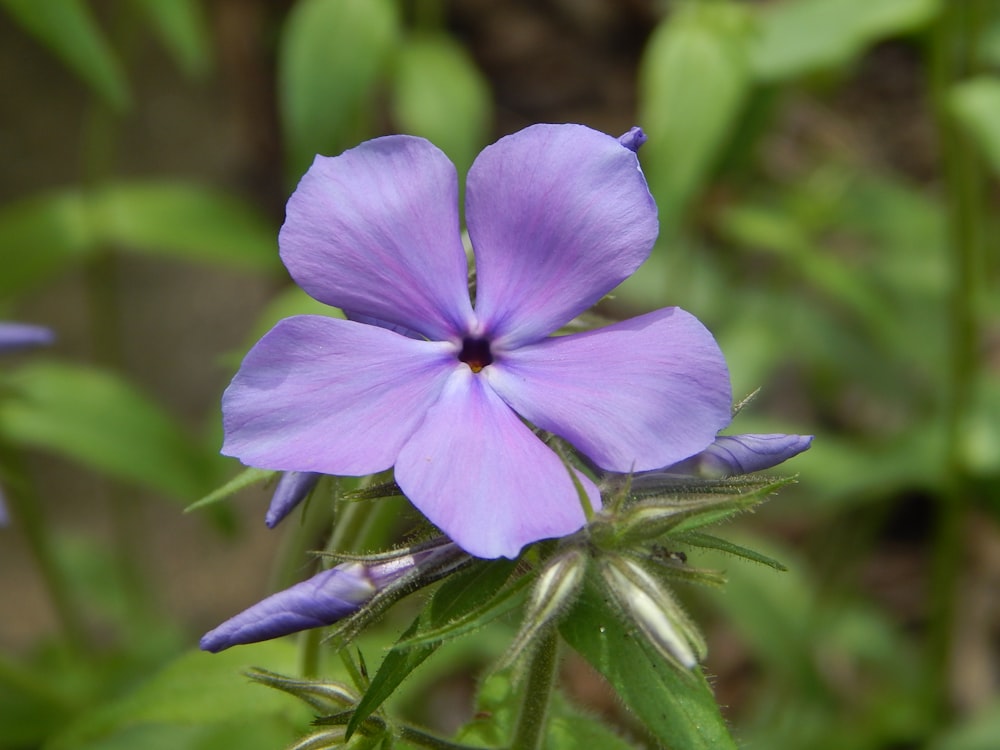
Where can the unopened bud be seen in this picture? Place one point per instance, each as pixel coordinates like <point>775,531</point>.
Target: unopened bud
<point>653,609</point>
<point>553,593</point>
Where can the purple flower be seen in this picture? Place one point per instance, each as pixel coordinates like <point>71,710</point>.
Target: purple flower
<point>421,380</point>
<point>331,595</point>
<point>731,455</point>
<point>293,487</point>
<point>14,336</point>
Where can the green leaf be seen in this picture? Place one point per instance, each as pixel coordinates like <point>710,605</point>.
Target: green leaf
<point>45,234</point>
<point>438,93</point>
<point>99,420</point>
<point>795,37</point>
<point>700,48</point>
<point>708,541</point>
<point>242,480</point>
<point>676,706</point>
<point>330,56</point>
<point>69,30</point>
<point>186,221</point>
<point>976,105</point>
<point>196,690</point>
<point>182,28</point>
<point>459,595</point>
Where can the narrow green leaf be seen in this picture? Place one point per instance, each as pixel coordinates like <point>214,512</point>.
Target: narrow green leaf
<point>699,48</point>
<point>99,420</point>
<point>41,236</point>
<point>187,221</point>
<point>801,36</point>
<point>69,30</point>
<point>331,54</point>
<point>708,541</point>
<point>976,105</point>
<point>182,27</point>
<point>438,93</point>
<point>508,598</point>
<point>244,479</point>
<point>462,593</point>
<point>46,234</point>
<point>676,706</point>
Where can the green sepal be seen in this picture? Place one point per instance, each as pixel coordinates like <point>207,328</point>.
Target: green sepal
<point>322,696</point>
<point>245,478</point>
<point>671,703</point>
<point>377,491</point>
<point>461,594</point>
<point>708,541</point>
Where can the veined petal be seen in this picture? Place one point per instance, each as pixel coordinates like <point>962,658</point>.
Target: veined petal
<point>481,476</point>
<point>375,231</point>
<point>332,396</point>
<point>633,396</point>
<point>558,215</point>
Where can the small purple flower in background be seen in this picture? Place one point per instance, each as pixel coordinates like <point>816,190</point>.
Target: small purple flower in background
<point>421,380</point>
<point>332,595</point>
<point>14,336</point>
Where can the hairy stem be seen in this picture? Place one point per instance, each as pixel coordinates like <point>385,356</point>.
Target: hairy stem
<point>529,734</point>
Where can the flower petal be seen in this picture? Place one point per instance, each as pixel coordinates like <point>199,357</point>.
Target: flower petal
<point>375,231</point>
<point>332,396</point>
<point>480,475</point>
<point>558,215</point>
<point>731,455</point>
<point>633,396</point>
<point>321,600</point>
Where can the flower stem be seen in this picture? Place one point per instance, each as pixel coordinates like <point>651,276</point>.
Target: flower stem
<point>529,734</point>
<point>27,513</point>
<point>951,59</point>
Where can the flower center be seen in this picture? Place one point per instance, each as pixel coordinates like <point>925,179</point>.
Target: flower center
<point>475,353</point>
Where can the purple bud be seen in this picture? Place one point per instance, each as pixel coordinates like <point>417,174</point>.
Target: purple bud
<point>731,455</point>
<point>292,489</point>
<point>4,518</point>
<point>633,139</point>
<point>327,597</point>
<point>14,336</point>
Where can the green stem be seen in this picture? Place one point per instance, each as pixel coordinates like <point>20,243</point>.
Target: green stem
<point>529,734</point>
<point>951,60</point>
<point>26,510</point>
<point>423,739</point>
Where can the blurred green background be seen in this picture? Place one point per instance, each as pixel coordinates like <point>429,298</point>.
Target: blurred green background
<point>826,174</point>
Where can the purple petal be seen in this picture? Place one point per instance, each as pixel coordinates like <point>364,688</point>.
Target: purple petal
<point>375,231</point>
<point>558,215</point>
<point>332,396</point>
<point>731,455</point>
<point>633,396</point>
<point>323,599</point>
<point>292,489</point>
<point>14,336</point>
<point>480,475</point>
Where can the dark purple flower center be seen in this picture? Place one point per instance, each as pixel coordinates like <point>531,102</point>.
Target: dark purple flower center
<point>476,353</point>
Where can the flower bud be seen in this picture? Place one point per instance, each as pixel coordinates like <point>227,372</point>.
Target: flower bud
<point>553,593</point>
<point>653,609</point>
<point>292,489</point>
<point>331,595</point>
<point>731,455</point>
